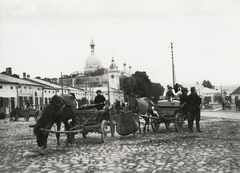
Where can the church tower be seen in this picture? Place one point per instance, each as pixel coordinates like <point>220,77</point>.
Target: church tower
<point>93,62</point>
<point>114,76</point>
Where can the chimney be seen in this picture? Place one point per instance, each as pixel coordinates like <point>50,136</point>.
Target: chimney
<point>28,76</point>
<point>9,71</point>
<point>24,75</point>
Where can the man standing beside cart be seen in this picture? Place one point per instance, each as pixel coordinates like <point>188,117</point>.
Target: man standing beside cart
<point>183,102</point>
<point>194,102</point>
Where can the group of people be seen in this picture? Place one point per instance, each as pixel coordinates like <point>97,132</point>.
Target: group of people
<point>190,105</point>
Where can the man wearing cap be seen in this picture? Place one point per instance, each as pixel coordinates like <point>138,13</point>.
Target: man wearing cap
<point>183,102</point>
<point>194,102</point>
<point>99,99</point>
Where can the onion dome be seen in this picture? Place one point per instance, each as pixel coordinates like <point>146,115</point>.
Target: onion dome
<point>93,62</point>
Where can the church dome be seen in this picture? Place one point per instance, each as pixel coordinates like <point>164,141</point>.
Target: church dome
<point>93,62</point>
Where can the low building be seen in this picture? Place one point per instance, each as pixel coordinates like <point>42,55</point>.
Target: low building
<point>235,95</point>
<point>16,92</point>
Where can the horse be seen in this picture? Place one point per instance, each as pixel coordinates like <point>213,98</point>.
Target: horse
<point>60,109</point>
<point>142,106</point>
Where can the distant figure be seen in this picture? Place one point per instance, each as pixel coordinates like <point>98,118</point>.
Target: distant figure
<point>27,104</point>
<point>194,102</point>
<point>236,103</point>
<point>2,114</point>
<point>73,95</point>
<point>99,99</point>
<point>169,95</point>
<point>117,106</point>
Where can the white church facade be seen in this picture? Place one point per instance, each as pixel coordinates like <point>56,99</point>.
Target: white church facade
<point>95,77</point>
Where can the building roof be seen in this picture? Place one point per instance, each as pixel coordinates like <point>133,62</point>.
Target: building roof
<point>9,79</point>
<point>52,85</point>
<point>236,91</point>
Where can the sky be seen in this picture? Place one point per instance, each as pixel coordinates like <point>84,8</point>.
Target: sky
<point>49,37</point>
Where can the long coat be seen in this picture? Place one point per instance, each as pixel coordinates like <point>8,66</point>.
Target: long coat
<point>183,99</point>
<point>99,99</point>
<point>194,101</point>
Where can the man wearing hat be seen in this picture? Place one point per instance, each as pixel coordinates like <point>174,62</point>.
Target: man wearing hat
<point>99,99</point>
<point>183,102</point>
<point>194,102</point>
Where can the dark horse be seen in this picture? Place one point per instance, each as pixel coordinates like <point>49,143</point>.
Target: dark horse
<point>141,106</point>
<point>60,109</point>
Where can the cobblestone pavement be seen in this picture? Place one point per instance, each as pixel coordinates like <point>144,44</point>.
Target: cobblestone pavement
<point>217,149</point>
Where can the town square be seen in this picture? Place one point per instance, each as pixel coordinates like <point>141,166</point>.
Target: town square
<point>108,86</point>
<point>214,150</point>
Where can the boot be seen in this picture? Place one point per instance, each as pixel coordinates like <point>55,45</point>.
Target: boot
<point>190,130</point>
<point>198,130</point>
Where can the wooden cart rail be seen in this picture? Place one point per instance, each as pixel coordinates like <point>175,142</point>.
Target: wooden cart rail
<point>70,131</point>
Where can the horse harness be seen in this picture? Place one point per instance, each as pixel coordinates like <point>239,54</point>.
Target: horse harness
<point>58,113</point>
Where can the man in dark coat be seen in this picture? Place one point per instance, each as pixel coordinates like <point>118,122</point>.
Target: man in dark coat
<point>99,99</point>
<point>183,102</point>
<point>194,102</point>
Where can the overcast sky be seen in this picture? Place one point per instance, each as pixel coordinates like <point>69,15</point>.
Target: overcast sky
<point>47,37</point>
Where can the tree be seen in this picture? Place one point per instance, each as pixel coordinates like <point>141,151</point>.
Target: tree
<point>157,90</point>
<point>143,84</point>
<point>139,83</point>
<point>207,84</point>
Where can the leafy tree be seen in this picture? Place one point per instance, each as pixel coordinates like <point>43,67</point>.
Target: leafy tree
<point>143,84</point>
<point>157,90</point>
<point>207,84</point>
<point>125,85</point>
<point>139,83</point>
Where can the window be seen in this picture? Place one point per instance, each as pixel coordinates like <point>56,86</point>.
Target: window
<point>24,87</point>
<point>30,88</point>
<point>11,87</point>
<point>0,86</point>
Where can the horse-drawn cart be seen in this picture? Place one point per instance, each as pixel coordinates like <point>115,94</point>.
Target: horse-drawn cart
<point>168,113</point>
<point>93,120</point>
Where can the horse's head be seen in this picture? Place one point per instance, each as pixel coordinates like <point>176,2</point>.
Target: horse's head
<point>41,135</point>
<point>132,103</point>
<point>47,119</point>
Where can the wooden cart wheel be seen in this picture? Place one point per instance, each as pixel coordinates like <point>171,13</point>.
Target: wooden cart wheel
<point>155,125</point>
<point>103,131</point>
<point>178,122</point>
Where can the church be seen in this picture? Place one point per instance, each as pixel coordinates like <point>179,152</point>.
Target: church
<point>96,77</point>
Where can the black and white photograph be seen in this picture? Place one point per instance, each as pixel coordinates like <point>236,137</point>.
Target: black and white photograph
<point>118,86</point>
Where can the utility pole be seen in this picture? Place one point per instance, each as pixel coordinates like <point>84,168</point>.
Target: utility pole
<point>173,70</point>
